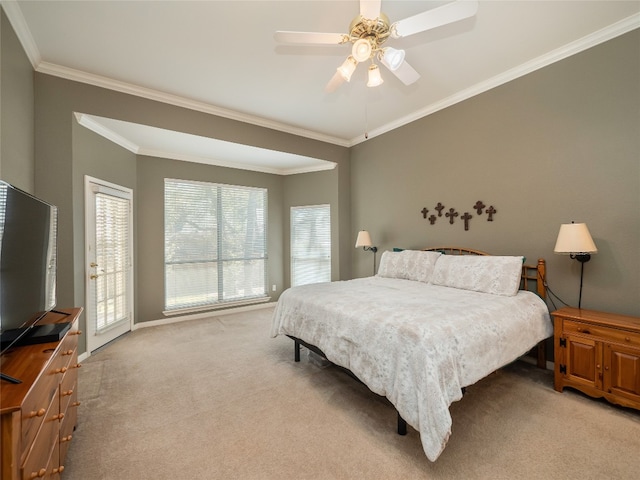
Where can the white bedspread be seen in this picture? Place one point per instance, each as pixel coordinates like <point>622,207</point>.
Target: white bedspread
<point>415,343</point>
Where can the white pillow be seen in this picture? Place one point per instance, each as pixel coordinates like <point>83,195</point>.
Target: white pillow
<point>420,265</point>
<point>408,264</point>
<point>392,265</point>
<point>489,274</point>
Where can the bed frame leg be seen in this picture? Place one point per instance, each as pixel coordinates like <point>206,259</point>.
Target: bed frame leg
<point>296,351</point>
<point>402,426</point>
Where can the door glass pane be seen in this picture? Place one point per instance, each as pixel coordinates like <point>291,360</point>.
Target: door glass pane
<point>112,259</point>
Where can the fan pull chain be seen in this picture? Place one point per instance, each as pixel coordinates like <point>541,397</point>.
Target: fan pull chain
<point>366,118</point>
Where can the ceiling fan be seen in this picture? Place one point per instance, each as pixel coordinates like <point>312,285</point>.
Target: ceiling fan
<point>370,30</point>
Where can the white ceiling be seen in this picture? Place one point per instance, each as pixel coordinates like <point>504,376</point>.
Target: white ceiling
<point>220,57</point>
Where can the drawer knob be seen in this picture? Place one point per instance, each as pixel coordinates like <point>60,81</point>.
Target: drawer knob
<point>39,413</point>
<point>59,469</point>
<point>60,416</point>
<point>67,393</point>
<point>67,352</point>
<point>40,473</point>
<point>627,339</point>
<point>76,404</point>
<point>66,439</point>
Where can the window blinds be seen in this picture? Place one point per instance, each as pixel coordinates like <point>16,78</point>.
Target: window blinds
<point>113,259</point>
<point>310,244</point>
<point>215,243</point>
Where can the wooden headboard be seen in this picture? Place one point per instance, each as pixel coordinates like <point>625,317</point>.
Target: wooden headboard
<point>533,276</point>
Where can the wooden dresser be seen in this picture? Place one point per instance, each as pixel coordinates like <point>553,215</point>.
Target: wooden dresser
<point>599,354</point>
<point>38,416</point>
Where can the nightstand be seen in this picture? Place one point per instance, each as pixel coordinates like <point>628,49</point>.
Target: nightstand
<point>598,353</point>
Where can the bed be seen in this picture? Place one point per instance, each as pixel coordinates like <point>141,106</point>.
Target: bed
<point>430,323</point>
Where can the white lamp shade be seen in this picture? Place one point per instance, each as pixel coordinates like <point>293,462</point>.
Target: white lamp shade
<point>574,238</point>
<point>347,68</point>
<point>364,239</point>
<point>375,78</point>
<point>361,50</point>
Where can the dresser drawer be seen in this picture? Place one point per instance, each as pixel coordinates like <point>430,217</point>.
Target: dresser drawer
<point>67,427</point>
<point>602,333</point>
<point>39,454</point>
<point>68,380</point>
<point>37,402</point>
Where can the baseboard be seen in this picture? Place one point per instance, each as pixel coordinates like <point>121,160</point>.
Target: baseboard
<point>197,316</point>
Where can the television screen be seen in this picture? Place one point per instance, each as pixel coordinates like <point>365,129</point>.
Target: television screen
<point>28,228</point>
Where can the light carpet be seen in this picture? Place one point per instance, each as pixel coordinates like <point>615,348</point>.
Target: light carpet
<point>218,398</point>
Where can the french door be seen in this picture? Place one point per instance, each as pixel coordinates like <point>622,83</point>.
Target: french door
<point>109,259</point>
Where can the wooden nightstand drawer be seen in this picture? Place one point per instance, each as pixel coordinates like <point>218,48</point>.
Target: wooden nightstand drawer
<point>607,334</point>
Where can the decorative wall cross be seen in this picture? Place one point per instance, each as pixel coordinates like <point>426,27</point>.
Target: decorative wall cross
<point>452,213</point>
<point>466,217</point>
<point>490,211</point>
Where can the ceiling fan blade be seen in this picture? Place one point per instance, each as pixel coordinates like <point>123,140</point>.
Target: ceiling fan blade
<point>310,38</point>
<point>405,73</point>
<point>370,8</point>
<point>334,83</point>
<point>436,17</point>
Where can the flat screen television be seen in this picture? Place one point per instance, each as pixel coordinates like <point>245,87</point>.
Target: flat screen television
<point>28,231</point>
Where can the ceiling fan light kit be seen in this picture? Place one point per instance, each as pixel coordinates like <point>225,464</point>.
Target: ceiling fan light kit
<point>371,29</point>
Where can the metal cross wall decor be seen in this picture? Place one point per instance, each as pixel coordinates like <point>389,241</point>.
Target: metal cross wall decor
<point>452,213</point>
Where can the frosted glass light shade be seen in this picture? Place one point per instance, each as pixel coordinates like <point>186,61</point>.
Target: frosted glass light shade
<point>392,58</point>
<point>375,78</point>
<point>364,239</point>
<point>574,238</point>
<point>347,68</point>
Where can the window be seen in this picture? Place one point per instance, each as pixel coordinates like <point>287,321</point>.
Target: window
<point>215,244</point>
<point>310,244</point>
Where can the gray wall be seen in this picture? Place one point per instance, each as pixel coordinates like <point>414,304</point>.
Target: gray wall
<point>561,144</point>
<point>16,111</point>
<point>150,221</point>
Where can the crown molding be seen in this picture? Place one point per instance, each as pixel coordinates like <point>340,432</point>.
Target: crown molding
<point>612,31</point>
<point>87,122</point>
<point>178,101</point>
